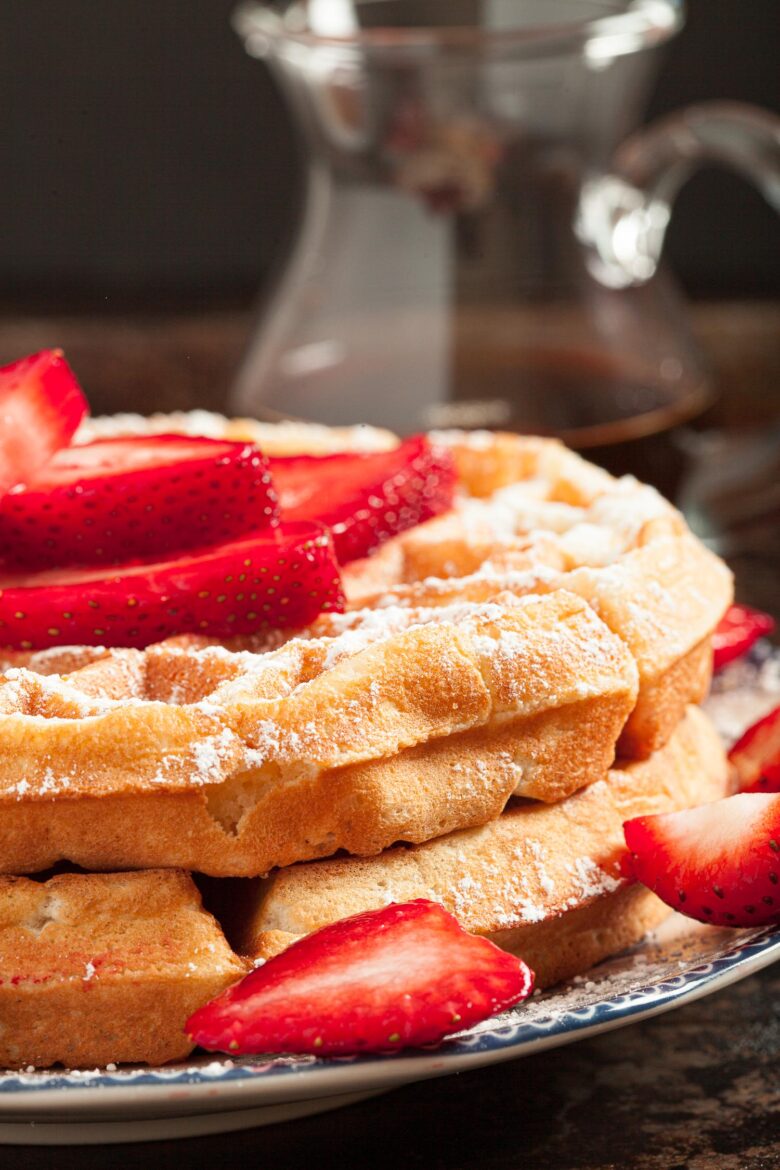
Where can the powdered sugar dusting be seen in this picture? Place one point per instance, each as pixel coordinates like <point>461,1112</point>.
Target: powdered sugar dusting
<point>210,755</point>
<point>591,879</point>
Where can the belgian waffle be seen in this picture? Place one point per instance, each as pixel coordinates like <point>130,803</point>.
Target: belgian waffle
<point>533,517</point>
<point>521,669</point>
<point>232,762</point>
<point>540,518</point>
<point>543,881</point>
<point>96,968</point>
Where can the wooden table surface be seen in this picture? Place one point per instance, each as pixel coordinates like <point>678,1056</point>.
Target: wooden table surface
<point>697,1089</point>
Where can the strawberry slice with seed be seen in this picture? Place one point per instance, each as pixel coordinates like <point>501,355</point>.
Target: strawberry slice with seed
<point>756,756</point>
<point>738,629</point>
<point>41,405</point>
<point>404,975</point>
<point>718,863</point>
<point>284,576</point>
<point>366,498</point>
<point>116,499</point>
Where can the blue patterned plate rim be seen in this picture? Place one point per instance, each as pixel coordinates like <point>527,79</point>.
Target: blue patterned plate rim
<point>542,1023</point>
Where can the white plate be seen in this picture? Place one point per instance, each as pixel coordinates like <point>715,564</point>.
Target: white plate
<point>681,962</point>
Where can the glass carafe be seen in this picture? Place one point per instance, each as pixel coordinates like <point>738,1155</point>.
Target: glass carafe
<point>481,229</point>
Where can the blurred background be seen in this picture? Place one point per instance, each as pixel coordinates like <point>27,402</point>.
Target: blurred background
<point>151,189</point>
<point>148,162</point>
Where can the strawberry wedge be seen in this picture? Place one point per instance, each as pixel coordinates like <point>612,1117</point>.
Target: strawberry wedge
<point>41,405</point>
<point>405,975</point>
<point>719,863</point>
<point>278,577</point>
<point>116,499</point>
<point>365,499</point>
<point>756,756</point>
<point>737,631</point>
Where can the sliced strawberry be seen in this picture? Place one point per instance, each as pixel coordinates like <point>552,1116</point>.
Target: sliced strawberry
<point>41,405</point>
<point>366,498</point>
<point>756,756</point>
<point>719,863</point>
<point>116,499</point>
<point>407,974</point>
<point>278,577</point>
<point>739,628</point>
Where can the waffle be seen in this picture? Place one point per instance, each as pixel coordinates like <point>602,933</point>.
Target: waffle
<point>533,517</point>
<point>569,617</point>
<point>540,518</point>
<point>113,964</point>
<point>543,881</point>
<point>232,762</point>
<point>97,968</point>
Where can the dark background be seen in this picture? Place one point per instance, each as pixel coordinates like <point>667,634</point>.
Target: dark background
<point>144,158</point>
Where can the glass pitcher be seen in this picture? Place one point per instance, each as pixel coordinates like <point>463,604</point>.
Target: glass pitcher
<point>481,230</point>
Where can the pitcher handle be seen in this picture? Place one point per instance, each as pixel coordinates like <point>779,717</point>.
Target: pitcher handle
<point>623,215</point>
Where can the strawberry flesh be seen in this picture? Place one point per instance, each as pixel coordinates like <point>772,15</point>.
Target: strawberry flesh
<point>366,498</point>
<point>283,576</point>
<point>718,863</point>
<point>116,499</point>
<point>41,405</point>
<point>756,756</point>
<point>404,975</point>
<point>738,629</point>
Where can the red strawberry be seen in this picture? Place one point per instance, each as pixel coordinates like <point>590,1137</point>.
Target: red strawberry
<point>121,498</point>
<point>407,974</point>
<point>739,628</point>
<point>41,406</point>
<point>756,756</point>
<point>719,863</point>
<point>366,499</point>
<point>278,577</point>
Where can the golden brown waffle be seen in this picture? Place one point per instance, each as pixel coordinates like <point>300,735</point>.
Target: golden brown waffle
<point>571,612</point>
<point>663,600</point>
<point>532,517</point>
<point>232,762</point>
<point>543,881</point>
<point>540,518</point>
<point>97,968</point>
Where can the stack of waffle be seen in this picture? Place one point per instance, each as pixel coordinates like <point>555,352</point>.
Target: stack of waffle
<point>510,682</point>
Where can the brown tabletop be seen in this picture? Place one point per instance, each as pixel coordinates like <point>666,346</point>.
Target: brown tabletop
<point>697,1089</point>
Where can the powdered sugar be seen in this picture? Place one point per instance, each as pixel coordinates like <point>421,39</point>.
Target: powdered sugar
<point>210,755</point>
<point>591,879</point>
